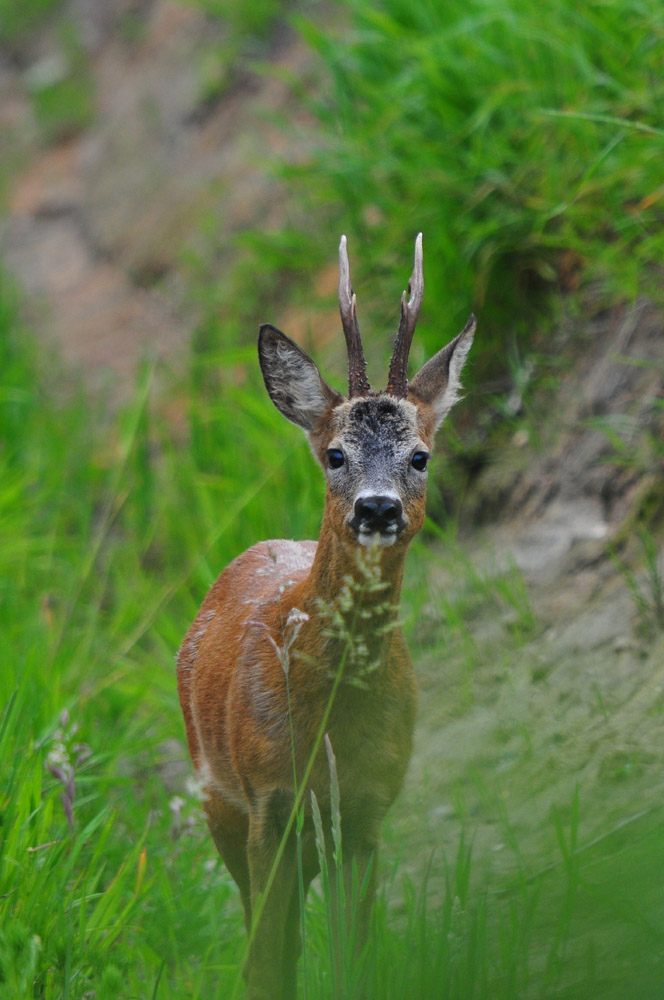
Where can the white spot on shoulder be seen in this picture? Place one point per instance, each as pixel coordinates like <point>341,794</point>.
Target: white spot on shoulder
<point>288,557</point>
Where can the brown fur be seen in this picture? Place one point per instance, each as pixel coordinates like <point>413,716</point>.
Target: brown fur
<point>244,738</point>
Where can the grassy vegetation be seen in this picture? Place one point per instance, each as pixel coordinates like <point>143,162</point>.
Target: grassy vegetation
<point>107,877</point>
<point>436,117</point>
<point>110,885</point>
<point>525,142</point>
<point>20,18</point>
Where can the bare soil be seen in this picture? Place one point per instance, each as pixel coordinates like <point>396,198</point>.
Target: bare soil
<point>533,726</point>
<point>98,228</point>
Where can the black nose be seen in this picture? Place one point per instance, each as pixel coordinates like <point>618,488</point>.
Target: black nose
<point>377,513</point>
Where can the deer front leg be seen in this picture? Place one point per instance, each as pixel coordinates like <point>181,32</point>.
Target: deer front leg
<point>272,899</point>
<point>230,828</point>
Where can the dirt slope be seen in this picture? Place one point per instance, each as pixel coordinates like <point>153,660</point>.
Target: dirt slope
<point>579,687</point>
<point>98,224</point>
<point>545,706</point>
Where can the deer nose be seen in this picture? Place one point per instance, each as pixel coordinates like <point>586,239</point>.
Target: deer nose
<point>378,513</point>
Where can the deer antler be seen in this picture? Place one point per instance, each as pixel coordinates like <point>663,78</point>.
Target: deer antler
<point>358,383</point>
<point>397,380</point>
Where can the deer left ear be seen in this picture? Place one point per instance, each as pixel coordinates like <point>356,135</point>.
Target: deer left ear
<point>296,387</point>
<point>437,382</point>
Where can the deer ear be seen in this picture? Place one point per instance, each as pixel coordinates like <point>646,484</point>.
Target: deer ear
<point>437,382</point>
<point>293,381</point>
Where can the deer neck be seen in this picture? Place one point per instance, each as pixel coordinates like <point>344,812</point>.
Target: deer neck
<point>374,574</point>
<point>356,592</point>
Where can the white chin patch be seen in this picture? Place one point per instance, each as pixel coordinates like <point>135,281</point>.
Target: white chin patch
<point>382,538</point>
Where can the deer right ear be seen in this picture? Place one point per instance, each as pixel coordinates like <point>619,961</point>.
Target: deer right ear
<point>293,381</point>
<point>437,382</point>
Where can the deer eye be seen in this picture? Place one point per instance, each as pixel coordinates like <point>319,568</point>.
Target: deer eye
<point>335,458</point>
<point>419,460</point>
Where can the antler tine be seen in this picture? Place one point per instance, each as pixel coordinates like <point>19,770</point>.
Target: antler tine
<point>397,380</point>
<point>358,383</point>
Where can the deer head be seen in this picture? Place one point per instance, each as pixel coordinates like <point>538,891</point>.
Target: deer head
<point>373,446</point>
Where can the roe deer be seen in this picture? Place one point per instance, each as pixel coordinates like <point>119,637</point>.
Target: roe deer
<point>297,638</point>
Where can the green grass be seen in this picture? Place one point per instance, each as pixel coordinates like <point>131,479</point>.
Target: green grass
<point>243,21</point>
<point>523,140</point>
<point>20,18</point>
<point>444,118</point>
<point>101,572</point>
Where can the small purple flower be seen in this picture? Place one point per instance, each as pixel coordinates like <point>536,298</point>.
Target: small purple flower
<point>59,762</point>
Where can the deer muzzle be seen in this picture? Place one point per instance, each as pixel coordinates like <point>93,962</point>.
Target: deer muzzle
<point>378,518</point>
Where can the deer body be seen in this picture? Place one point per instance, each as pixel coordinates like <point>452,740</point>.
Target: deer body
<point>245,752</point>
<point>288,624</point>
